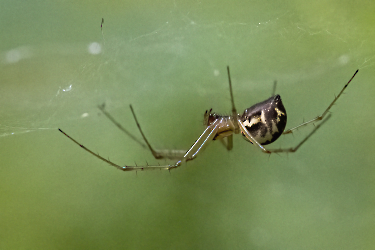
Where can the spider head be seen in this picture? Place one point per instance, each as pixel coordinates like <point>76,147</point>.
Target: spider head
<point>266,120</point>
<point>209,117</point>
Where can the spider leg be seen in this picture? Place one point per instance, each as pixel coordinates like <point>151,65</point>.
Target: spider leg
<point>202,142</point>
<point>228,143</point>
<point>102,108</point>
<point>320,117</point>
<point>205,138</point>
<point>274,88</point>
<point>88,150</point>
<point>234,110</point>
<point>250,137</point>
<point>294,149</point>
<point>158,154</point>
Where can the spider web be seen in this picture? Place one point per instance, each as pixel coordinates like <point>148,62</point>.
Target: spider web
<point>168,59</point>
<point>154,64</point>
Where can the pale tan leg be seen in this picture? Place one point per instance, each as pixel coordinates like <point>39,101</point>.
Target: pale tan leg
<point>294,149</point>
<point>320,117</point>
<point>250,137</point>
<point>159,154</point>
<point>205,138</point>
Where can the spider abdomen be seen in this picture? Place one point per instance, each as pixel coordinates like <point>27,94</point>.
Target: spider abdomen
<point>266,120</point>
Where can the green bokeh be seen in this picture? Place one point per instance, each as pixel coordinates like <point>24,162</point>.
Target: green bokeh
<point>168,59</point>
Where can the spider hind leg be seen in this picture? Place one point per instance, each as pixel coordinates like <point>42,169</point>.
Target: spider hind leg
<point>294,149</point>
<point>320,117</point>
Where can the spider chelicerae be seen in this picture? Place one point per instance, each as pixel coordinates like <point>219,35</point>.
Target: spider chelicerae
<point>261,124</point>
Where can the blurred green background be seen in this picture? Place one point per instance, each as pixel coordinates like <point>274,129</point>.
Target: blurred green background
<point>168,59</point>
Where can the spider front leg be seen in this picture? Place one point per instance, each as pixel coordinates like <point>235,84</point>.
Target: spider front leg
<point>205,138</point>
<point>202,142</point>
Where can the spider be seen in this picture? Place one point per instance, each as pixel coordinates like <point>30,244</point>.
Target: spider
<point>261,124</point>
